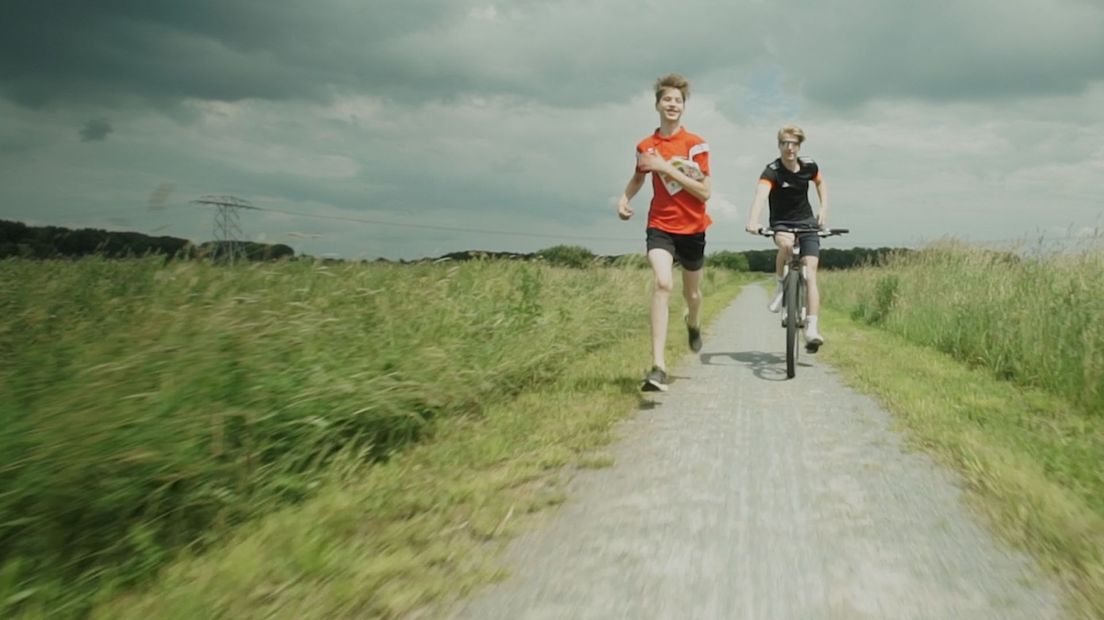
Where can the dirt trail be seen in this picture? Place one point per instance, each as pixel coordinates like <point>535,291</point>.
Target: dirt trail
<point>743,495</point>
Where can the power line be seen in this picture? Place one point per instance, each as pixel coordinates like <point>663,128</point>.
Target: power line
<point>443,228</point>
<point>1028,239</point>
<point>480,230</point>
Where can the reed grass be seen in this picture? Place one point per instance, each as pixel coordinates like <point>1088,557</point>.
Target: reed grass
<point>1035,320</point>
<point>148,408</point>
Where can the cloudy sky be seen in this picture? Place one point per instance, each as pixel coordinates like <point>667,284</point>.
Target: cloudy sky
<point>403,129</point>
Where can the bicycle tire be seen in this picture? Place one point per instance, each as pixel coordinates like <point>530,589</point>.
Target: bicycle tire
<point>793,307</point>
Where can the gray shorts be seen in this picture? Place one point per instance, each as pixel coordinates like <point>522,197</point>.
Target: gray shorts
<point>809,243</point>
<point>688,250</point>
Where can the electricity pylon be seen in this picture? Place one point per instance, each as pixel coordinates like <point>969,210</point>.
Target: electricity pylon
<point>229,246</point>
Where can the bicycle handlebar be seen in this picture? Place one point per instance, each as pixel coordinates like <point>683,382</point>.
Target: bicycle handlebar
<point>768,232</point>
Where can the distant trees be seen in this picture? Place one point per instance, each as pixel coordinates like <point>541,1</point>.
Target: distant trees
<point>251,250</point>
<point>747,260</point>
<point>830,258</point>
<point>725,259</point>
<point>18,239</point>
<point>567,256</point>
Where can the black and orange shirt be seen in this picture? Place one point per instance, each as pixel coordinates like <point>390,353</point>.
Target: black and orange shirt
<point>674,209</point>
<point>789,193</point>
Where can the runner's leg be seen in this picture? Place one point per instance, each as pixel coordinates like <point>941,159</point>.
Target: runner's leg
<point>691,290</point>
<point>662,267</point>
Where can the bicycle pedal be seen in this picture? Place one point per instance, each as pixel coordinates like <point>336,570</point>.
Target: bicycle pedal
<point>812,347</point>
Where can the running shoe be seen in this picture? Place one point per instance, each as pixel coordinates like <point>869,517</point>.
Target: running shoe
<point>656,381</point>
<point>693,335</point>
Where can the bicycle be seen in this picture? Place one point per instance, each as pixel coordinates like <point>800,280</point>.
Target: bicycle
<point>793,292</point>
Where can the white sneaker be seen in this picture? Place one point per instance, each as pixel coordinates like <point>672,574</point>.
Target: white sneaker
<point>813,339</point>
<point>776,302</point>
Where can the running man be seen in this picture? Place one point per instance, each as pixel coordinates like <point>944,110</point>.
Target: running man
<point>679,164</point>
<point>785,185</point>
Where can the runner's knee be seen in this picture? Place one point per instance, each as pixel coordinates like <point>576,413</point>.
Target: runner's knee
<point>692,294</point>
<point>663,284</point>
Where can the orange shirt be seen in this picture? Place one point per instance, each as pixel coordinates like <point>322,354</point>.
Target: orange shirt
<point>674,209</point>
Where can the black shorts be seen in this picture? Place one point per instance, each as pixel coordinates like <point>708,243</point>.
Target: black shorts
<point>688,250</point>
<point>808,242</point>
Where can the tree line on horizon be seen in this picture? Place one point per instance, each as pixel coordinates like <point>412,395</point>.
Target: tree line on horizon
<point>46,242</point>
<point>51,242</point>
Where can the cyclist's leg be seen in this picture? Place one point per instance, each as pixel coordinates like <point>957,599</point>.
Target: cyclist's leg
<point>662,262</point>
<point>810,252</point>
<point>785,243</point>
<point>812,292</point>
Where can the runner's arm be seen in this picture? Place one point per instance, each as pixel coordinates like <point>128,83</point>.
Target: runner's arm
<point>701,189</point>
<point>624,211</point>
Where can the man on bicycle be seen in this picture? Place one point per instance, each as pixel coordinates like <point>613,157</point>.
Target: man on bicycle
<point>784,183</point>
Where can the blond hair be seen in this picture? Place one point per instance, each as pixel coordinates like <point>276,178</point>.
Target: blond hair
<point>794,131</point>
<point>672,80</point>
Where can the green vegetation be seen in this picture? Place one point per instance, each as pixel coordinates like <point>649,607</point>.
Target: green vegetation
<point>376,426</point>
<point>567,256</point>
<point>1020,413</point>
<point>48,242</point>
<point>1033,321</point>
<point>328,440</point>
<point>830,258</point>
<point>736,261</point>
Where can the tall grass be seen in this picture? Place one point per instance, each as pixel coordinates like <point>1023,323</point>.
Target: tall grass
<point>144,407</point>
<point>1033,320</point>
<point>1024,425</point>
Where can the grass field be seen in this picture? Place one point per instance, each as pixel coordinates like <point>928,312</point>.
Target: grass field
<point>993,363</point>
<point>346,440</point>
<point>350,441</point>
<point>1032,320</point>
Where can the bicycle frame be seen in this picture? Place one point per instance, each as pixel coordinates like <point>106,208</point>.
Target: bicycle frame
<point>796,269</point>
<point>794,274</point>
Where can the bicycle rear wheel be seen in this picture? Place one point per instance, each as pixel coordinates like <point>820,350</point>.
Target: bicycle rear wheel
<point>793,309</point>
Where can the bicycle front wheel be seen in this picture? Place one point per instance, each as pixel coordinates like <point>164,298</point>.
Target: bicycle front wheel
<point>793,309</point>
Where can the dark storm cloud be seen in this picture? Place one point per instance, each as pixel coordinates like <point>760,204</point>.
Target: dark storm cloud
<point>566,52</point>
<point>95,130</point>
<point>162,51</point>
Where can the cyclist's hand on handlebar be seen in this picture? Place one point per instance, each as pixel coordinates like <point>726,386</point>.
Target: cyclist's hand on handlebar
<point>753,229</point>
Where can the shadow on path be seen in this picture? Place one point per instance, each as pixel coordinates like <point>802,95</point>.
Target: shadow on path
<point>766,366</point>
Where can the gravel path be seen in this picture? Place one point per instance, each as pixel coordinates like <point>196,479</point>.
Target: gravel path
<point>721,504</point>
